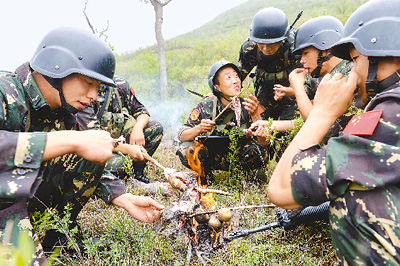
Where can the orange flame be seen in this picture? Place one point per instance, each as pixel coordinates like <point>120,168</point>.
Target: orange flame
<point>208,201</point>
<point>192,154</point>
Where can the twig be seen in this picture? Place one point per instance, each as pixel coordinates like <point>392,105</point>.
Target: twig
<point>153,161</point>
<point>253,206</point>
<point>233,208</point>
<point>215,191</point>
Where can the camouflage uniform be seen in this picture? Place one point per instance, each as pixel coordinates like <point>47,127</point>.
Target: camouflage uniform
<point>251,153</point>
<point>360,176</point>
<point>311,85</point>
<point>273,69</point>
<point>118,117</point>
<point>27,182</point>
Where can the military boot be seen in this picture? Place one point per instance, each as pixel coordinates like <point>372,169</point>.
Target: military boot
<point>139,172</point>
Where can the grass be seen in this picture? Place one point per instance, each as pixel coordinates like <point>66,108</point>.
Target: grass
<point>134,243</point>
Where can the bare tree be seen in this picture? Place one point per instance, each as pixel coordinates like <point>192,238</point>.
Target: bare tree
<point>162,48</point>
<point>101,33</point>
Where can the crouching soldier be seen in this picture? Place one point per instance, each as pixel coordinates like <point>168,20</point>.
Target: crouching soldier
<point>118,111</point>
<point>208,120</point>
<point>46,162</point>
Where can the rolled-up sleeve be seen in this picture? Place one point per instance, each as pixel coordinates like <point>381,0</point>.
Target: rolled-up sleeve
<point>21,158</point>
<point>308,177</point>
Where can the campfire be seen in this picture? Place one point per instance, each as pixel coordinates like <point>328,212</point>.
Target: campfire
<point>196,212</point>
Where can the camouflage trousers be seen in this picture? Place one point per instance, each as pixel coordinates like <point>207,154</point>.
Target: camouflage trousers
<point>66,180</point>
<point>153,133</point>
<point>365,227</point>
<point>250,155</point>
<point>284,109</point>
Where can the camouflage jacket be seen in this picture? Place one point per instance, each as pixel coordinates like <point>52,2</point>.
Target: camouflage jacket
<point>209,109</point>
<point>24,119</point>
<point>359,174</point>
<point>273,69</point>
<point>115,109</point>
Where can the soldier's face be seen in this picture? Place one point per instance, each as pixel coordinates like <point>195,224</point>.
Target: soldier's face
<point>309,60</point>
<point>269,49</point>
<point>360,66</point>
<point>79,90</point>
<point>229,82</point>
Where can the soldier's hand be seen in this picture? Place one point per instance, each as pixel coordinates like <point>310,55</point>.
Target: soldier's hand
<point>137,137</point>
<point>297,78</point>
<point>251,104</point>
<point>134,151</point>
<point>259,129</point>
<point>282,91</point>
<point>96,146</point>
<point>144,209</point>
<point>335,94</point>
<point>92,145</point>
<point>206,125</point>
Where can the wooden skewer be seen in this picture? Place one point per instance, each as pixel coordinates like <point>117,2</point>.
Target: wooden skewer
<point>253,206</point>
<point>153,161</point>
<point>215,191</point>
<point>233,208</point>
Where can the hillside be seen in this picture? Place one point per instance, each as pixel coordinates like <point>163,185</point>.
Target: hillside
<point>189,56</point>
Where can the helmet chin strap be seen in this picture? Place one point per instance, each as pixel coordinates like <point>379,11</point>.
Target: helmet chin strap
<point>371,86</point>
<point>57,84</point>
<point>321,59</point>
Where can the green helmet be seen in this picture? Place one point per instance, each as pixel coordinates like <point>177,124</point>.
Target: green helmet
<point>64,51</point>
<point>269,25</point>
<point>212,73</point>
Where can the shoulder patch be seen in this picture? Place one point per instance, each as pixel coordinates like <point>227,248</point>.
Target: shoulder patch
<point>132,90</point>
<point>363,124</point>
<point>195,114</point>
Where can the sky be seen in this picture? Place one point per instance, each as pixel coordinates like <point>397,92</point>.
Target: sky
<point>131,22</point>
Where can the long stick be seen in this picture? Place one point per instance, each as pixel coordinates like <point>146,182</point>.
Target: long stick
<point>233,208</point>
<point>253,206</point>
<point>215,191</point>
<point>153,161</point>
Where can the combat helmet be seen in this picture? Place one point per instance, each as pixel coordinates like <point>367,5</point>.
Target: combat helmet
<point>65,51</point>
<point>374,30</point>
<point>320,33</point>
<point>269,25</point>
<point>212,74</point>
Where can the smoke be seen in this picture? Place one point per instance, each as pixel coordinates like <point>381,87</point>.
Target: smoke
<point>171,115</point>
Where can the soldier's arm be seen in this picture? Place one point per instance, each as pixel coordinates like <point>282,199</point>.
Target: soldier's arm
<point>137,135</point>
<point>92,145</point>
<point>297,79</point>
<point>206,125</point>
<point>332,99</point>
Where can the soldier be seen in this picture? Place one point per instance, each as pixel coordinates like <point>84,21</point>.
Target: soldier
<point>269,49</point>
<point>313,41</point>
<point>225,83</point>
<point>358,172</point>
<point>46,163</point>
<point>119,112</point>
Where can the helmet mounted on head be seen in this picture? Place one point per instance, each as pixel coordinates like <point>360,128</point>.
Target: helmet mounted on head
<point>213,72</point>
<point>269,25</point>
<point>65,51</point>
<point>320,33</point>
<point>374,30</point>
